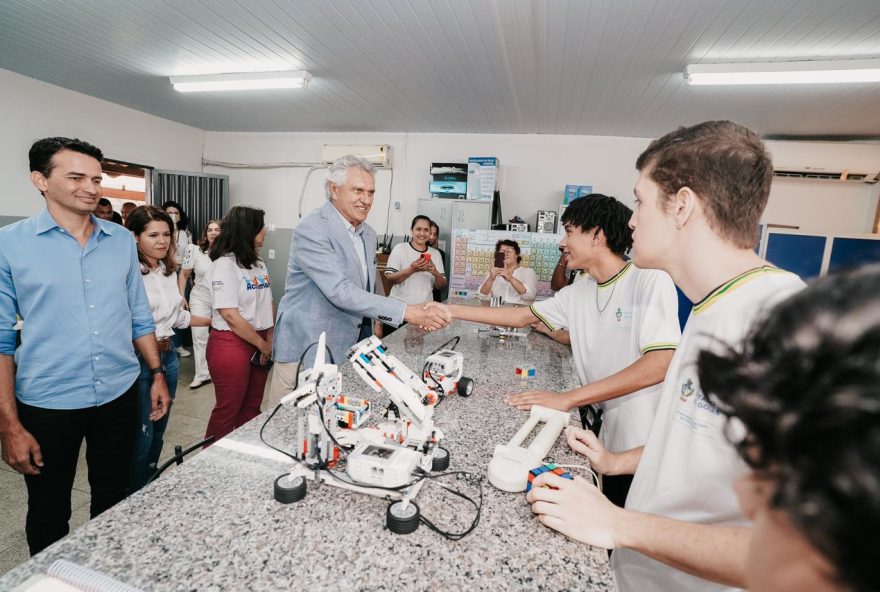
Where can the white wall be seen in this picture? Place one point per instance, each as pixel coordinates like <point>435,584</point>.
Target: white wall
<point>534,170</point>
<point>30,109</point>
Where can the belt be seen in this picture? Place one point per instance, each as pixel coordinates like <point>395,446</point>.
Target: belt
<point>165,345</point>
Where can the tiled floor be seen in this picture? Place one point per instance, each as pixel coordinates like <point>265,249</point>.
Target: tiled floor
<point>189,417</point>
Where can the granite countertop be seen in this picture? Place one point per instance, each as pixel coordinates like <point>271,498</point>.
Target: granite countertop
<point>212,523</point>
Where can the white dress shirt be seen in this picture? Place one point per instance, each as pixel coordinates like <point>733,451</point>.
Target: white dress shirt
<point>165,302</point>
<point>357,241</point>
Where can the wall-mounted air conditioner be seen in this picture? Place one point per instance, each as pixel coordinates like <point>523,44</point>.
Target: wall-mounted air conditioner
<point>826,161</point>
<point>378,155</point>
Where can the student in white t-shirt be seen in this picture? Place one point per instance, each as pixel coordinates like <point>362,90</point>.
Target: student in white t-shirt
<point>416,269</point>
<point>240,344</point>
<point>805,391</point>
<point>700,196</point>
<point>623,328</point>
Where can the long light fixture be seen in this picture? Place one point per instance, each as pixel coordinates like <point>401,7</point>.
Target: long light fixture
<point>241,81</point>
<point>829,72</point>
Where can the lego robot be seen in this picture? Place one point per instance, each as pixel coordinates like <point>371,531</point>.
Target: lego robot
<point>387,460</point>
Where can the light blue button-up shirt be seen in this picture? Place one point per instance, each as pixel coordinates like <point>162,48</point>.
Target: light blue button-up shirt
<point>82,307</point>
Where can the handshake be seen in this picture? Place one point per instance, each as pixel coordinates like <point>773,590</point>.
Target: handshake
<point>429,316</point>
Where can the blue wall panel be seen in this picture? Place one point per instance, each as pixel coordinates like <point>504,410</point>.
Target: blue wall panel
<point>800,254</point>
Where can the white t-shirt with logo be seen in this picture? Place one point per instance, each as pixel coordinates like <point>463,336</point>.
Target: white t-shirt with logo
<point>419,287</point>
<point>200,264</point>
<point>611,326</point>
<point>248,290</point>
<point>688,467</point>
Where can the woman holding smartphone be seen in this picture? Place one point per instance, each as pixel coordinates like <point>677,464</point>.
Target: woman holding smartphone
<point>240,346</point>
<point>153,232</point>
<point>514,284</point>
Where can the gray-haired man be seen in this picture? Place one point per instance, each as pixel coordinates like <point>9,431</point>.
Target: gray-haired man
<point>331,278</point>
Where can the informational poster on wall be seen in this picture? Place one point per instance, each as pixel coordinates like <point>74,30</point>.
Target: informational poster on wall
<point>473,252</point>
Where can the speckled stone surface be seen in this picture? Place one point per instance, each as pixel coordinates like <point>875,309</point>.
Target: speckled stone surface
<point>212,523</point>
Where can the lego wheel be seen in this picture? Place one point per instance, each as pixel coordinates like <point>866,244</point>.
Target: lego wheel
<point>440,462</point>
<point>290,489</point>
<point>400,519</point>
<point>465,387</point>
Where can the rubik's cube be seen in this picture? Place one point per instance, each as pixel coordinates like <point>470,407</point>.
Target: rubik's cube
<point>525,371</point>
<point>547,468</point>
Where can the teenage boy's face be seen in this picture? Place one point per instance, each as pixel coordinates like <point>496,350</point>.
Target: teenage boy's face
<point>654,231</point>
<point>779,556</point>
<point>576,245</point>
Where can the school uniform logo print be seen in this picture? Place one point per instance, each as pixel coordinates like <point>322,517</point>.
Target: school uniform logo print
<point>257,282</point>
<point>618,314</point>
<point>687,390</point>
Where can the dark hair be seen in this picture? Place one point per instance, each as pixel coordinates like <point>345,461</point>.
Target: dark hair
<point>203,240</point>
<point>183,223</point>
<point>42,151</point>
<point>240,225</point>
<point>725,164</point>
<point>434,225</point>
<point>137,222</point>
<point>509,243</point>
<point>420,217</point>
<point>603,213</point>
<point>104,202</point>
<point>806,387</point>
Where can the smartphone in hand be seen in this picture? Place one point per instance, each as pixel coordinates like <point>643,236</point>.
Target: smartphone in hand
<point>255,361</point>
<point>499,259</point>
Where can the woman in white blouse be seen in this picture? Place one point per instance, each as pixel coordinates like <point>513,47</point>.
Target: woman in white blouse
<point>242,321</point>
<point>514,284</point>
<point>197,263</point>
<point>153,232</point>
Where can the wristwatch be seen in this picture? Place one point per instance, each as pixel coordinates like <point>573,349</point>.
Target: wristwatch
<point>158,370</point>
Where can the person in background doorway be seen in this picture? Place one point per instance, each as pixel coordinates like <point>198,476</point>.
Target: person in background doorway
<point>182,240</point>
<point>104,211</point>
<point>76,282</point>
<point>153,232</point>
<point>803,400</point>
<point>197,264</point>
<point>127,207</point>
<point>434,241</point>
<point>513,283</point>
<point>239,348</point>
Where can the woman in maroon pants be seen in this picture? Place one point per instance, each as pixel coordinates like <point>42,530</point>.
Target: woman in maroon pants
<point>240,344</point>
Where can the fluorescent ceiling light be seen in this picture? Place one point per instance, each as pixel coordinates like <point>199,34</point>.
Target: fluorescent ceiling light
<point>835,72</point>
<point>241,81</point>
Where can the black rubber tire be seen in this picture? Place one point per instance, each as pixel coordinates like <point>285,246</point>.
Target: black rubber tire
<point>440,462</point>
<point>465,387</point>
<point>287,493</point>
<point>402,524</point>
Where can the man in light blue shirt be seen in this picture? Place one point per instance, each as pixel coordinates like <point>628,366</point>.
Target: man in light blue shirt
<point>76,282</point>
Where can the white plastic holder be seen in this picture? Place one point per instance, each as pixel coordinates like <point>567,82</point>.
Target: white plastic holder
<point>511,463</point>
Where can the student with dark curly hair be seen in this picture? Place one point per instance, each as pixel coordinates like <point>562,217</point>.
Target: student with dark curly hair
<point>803,401</point>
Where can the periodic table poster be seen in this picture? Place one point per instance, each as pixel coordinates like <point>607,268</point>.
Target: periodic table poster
<point>473,251</point>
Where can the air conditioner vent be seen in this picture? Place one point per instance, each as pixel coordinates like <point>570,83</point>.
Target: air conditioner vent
<point>817,175</point>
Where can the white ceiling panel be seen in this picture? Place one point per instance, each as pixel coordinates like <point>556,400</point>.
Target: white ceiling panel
<point>604,67</point>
